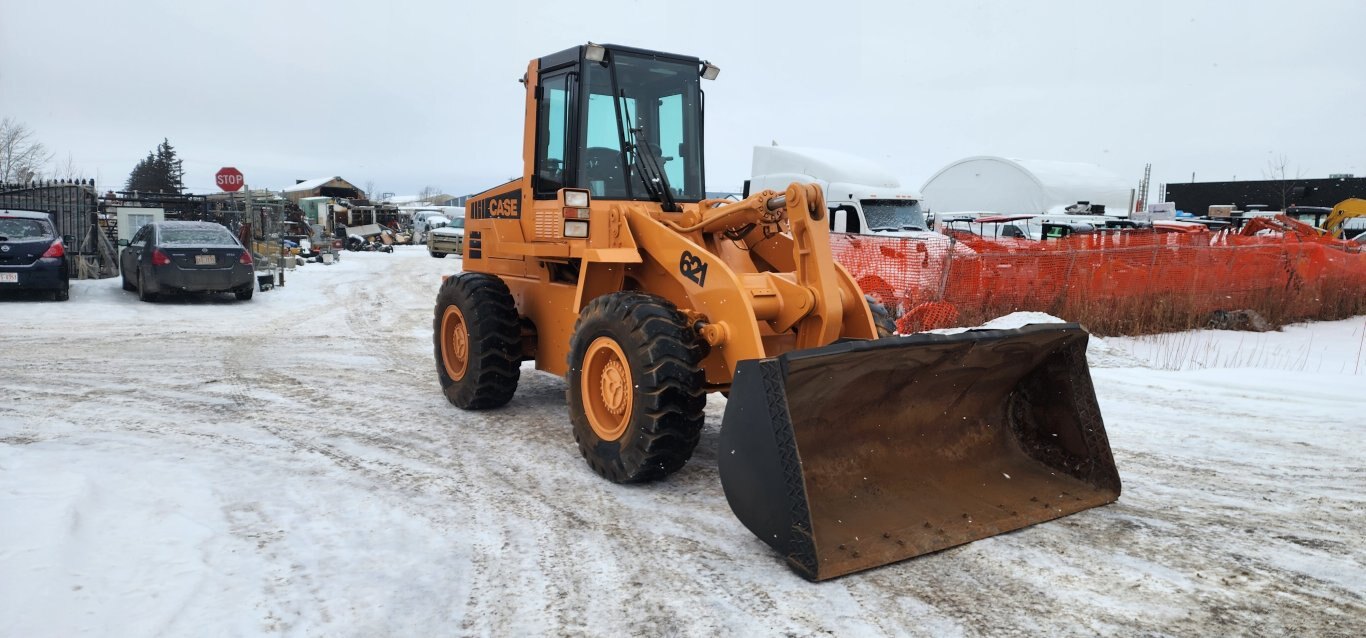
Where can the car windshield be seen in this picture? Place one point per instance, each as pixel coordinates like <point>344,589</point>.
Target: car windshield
<point>894,214</point>
<point>197,237</point>
<point>458,222</point>
<point>14,228</point>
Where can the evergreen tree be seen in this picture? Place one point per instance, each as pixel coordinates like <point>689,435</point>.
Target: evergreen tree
<point>160,172</point>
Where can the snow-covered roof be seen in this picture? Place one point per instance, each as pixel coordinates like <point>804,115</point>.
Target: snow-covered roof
<point>308,185</point>
<point>1011,185</point>
<point>403,199</point>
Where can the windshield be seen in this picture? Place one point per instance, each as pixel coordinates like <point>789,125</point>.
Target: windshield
<point>14,228</point>
<point>197,237</point>
<point>662,100</point>
<point>458,222</point>
<point>893,214</point>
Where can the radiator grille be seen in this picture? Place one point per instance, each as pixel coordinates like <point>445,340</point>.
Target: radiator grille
<point>549,224</point>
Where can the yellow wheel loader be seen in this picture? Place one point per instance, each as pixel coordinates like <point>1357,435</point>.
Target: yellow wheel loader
<point>607,263</point>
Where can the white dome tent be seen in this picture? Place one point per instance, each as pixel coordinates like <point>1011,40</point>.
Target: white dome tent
<point>1019,186</point>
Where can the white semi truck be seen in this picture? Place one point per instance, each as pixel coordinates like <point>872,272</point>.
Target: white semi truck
<point>862,197</point>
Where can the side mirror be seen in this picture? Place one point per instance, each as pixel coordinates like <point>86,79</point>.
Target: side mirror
<point>123,242</point>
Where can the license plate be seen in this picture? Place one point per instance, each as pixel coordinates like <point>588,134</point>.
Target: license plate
<point>9,277</point>
<point>204,260</point>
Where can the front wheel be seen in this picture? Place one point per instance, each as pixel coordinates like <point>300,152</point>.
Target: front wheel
<point>477,340</point>
<point>635,387</point>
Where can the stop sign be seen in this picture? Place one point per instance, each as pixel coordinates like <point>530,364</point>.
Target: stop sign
<point>229,179</point>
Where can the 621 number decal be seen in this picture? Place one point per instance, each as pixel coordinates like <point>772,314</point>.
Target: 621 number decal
<point>692,267</point>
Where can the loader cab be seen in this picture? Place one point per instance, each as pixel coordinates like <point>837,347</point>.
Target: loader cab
<point>598,106</point>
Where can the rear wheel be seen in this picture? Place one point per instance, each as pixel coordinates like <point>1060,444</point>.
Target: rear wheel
<point>61,295</point>
<point>244,294</point>
<point>143,295</point>
<point>437,255</point>
<point>477,341</point>
<point>635,387</point>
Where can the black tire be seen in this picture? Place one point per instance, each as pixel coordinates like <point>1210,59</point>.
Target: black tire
<point>437,255</point>
<point>664,355</point>
<point>143,295</point>
<point>244,294</point>
<point>494,361</point>
<point>127,285</point>
<point>61,295</point>
<point>882,318</point>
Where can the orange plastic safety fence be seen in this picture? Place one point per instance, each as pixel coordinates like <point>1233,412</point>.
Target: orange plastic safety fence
<point>1116,283</point>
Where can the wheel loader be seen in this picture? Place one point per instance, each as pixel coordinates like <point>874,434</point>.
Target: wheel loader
<point>842,446</point>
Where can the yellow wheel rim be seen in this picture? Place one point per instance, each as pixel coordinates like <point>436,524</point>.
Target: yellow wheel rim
<point>455,343</point>
<point>606,389</point>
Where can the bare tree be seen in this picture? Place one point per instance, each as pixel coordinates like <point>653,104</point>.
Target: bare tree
<point>21,155</point>
<point>1283,185</point>
<point>370,193</point>
<point>67,169</point>
<point>429,192</point>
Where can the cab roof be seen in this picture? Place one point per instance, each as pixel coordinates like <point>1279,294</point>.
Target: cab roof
<point>572,55</point>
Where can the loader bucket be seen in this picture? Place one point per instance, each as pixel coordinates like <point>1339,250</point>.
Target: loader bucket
<point>864,453</point>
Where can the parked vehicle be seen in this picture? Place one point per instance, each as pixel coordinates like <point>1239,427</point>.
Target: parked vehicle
<point>32,256</point>
<point>165,257</point>
<point>841,450</point>
<point>861,196</point>
<point>448,239</point>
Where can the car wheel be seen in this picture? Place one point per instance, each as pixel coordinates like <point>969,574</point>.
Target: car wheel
<point>127,285</point>
<point>61,295</point>
<point>143,295</point>
<point>244,294</point>
<point>437,255</point>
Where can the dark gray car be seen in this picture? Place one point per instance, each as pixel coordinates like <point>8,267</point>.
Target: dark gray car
<point>164,257</point>
<point>32,256</point>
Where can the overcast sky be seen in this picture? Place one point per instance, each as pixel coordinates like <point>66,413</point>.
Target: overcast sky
<point>406,94</point>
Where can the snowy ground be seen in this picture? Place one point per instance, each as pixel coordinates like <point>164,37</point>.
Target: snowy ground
<point>287,465</point>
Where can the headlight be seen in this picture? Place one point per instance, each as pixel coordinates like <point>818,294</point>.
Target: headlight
<point>575,199</point>
<point>575,228</point>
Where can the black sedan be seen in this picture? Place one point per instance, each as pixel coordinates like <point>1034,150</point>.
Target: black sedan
<point>32,256</point>
<point>165,257</point>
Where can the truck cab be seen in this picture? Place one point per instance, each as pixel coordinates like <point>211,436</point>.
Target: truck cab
<point>863,198</point>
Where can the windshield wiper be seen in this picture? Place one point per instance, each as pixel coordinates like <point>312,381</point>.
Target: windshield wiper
<point>647,164</point>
